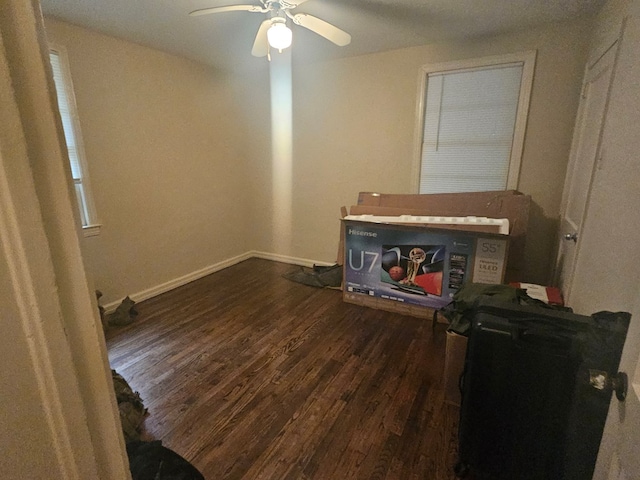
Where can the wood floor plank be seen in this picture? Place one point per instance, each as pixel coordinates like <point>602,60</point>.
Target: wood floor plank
<point>251,376</point>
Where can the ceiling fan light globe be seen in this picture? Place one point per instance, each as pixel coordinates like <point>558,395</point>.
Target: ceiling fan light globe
<point>279,36</point>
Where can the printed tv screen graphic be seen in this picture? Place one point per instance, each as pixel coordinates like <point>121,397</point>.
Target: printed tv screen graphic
<point>418,265</point>
<point>416,269</point>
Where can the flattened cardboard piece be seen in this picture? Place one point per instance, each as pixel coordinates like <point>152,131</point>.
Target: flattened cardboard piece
<point>439,200</point>
<point>340,259</point>
<point>455,352</point>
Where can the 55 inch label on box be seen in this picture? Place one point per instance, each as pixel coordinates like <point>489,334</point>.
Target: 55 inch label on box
<point>489,260</point>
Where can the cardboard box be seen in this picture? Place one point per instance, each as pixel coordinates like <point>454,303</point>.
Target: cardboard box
<point>386,265</point>
<point>509,204</point>
<point>455,353</point>
<point>395,307</point>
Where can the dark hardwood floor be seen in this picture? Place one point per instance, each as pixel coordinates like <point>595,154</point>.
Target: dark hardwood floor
<point>251,376</point>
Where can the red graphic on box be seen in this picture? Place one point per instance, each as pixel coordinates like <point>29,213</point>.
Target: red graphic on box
<point>414,268</point>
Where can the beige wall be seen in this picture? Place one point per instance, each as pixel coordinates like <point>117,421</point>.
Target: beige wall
<point>164,145</point>
<point>353,131</point>
<point>181,157</point>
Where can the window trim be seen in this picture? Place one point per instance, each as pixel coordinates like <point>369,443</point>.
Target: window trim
<point>93,226</point>
<point>528,60</point>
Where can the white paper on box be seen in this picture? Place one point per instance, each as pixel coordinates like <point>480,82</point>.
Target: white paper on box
<point>489,260</point>
<point>551,295</point>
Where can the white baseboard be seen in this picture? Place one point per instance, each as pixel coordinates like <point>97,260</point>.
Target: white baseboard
<point>203,272</point>
<point>303,262</point>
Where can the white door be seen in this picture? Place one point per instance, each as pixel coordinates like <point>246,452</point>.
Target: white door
<point>607,266</point>
<point>619,457</point>
<point>585,150</point>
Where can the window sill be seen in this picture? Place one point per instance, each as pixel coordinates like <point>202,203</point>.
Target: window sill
<point>91,230</point>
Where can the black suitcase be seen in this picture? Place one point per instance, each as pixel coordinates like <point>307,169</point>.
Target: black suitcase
<point>536,390</point>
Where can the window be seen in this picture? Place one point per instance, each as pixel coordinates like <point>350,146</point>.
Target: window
<point>472,118</point>
<point>73,137</point>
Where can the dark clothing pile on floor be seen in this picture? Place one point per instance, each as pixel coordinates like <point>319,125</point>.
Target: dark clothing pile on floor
<point>132,410</point>
<point>147,460</point>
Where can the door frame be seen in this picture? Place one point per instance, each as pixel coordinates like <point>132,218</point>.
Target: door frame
<point>47,298</point>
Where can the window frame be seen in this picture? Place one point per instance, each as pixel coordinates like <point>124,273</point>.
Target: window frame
<point>92,228</point>
<point>528,60</point>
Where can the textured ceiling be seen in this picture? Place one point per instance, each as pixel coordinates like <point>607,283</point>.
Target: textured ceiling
<point>224,40</point>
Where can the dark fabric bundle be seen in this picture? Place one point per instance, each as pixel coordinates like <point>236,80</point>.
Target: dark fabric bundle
<point>152,461</point>
<point>458,312</point>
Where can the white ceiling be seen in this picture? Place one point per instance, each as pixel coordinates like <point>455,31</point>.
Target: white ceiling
<point>224,40</point>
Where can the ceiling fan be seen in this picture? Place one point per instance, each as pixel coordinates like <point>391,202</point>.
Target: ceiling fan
<point>274,32</point>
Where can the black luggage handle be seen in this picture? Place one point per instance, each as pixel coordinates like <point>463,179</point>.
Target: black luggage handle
<point>548,317</point>
<point>546,337</point>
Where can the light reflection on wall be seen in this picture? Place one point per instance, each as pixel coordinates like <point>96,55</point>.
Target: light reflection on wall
<point>281,150</point>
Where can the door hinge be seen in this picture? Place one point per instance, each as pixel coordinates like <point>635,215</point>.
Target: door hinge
<point>583,92</point>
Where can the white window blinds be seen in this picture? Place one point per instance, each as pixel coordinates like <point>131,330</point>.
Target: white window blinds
<point>66,106</point>
<point>469,123</point>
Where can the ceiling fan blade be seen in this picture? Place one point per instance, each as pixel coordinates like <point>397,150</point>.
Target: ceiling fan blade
<point>228,8</point>
<point>260,44</point>
<point>325,29</point>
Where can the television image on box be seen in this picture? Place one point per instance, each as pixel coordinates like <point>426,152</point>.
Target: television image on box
<point>416,269</point>
<point>451,258</point>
